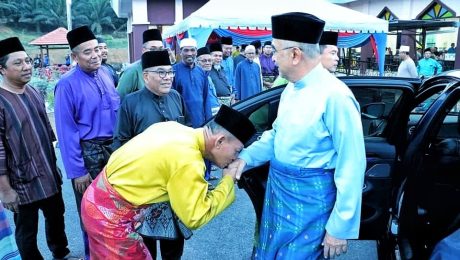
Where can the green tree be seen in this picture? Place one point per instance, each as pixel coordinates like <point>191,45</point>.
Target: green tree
<point>53,15</point>
<point>97,14</point>
<point>8,11</point>
<point>28,10</point>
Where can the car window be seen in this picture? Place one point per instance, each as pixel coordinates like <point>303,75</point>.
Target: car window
<point>260,118</point>
<point>450,126</point>
<point>376,104</point>
<point>423,106</point>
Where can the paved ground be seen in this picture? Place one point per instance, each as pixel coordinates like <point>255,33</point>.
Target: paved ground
<point>229,236</point>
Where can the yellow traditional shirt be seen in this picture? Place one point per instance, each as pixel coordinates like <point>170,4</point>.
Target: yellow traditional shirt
<point>165,163</point>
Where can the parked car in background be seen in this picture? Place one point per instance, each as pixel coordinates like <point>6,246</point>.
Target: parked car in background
<point>411,193</point>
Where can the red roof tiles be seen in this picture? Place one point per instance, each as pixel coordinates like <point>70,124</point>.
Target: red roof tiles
<point>56,37</point>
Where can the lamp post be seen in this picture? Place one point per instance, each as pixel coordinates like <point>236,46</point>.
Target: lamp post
<point>69,14</point>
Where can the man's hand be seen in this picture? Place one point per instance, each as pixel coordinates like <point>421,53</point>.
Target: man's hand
<point>239,164</point>
<point>230,171</point>
<point>81,183</point>
<point>10,200</point>
<point>334,246</point>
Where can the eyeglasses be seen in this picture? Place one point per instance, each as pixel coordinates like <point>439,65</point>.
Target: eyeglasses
<point>162,73</point>
<point>287,48</point>
<point>155,48</point>
<point>250,53</point>
<point>205,60</point>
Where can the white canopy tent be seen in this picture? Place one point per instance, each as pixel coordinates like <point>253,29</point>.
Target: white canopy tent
<point>256,14</point>
<point>224,17</point>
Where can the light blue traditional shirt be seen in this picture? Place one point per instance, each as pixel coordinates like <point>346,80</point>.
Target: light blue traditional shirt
<point>229,69</point>
<point>428,67</point>
<point>319,126</point>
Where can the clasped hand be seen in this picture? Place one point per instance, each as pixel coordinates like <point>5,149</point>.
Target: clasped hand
<point>333,246</point>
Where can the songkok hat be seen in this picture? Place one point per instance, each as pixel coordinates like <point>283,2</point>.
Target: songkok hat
<point>79,35</point>
<point>187,42</point>
<point>257,44</point>
<point>404,48</point>
<point>329,38</point>
<point>226,40</point>
<point>267,43</point>
<point>215,47</point>
<point>243,46</point>
<point>202,51</point>
<point>100,40</point>
<point>297,27</point>
<point>427,49</point>
<point>151,35</point>
<point>10,45</point>
<point>236,123</point>
<point>155,58</point>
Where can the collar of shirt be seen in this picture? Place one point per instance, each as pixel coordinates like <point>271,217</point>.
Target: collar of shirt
<point>151,95</point>
<point>310,77</point>
<point>91,74</point>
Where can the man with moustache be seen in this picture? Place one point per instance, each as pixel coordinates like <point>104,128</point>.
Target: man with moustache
<point>219,79</point>
<point>86,105</point>
<point>329,51</point>
<point>154,103</point>
<point>105,55</point>
<point>192,83</point>
<point>132,79</point>
<point>29,178</point>
<point>163,164</point>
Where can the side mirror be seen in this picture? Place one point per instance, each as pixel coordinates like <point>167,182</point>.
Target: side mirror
<point>373,110</point>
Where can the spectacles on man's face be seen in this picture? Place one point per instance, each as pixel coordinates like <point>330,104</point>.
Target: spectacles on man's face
<point>205,60</point>
<point>287,48</point>
<point>162,73</point>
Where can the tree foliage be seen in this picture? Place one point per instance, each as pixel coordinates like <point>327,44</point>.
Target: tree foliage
<point>47,15</point>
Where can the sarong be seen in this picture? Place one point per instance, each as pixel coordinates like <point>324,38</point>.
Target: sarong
<point>110,222</point>
<point>298,203</point>
<point>8,247</point>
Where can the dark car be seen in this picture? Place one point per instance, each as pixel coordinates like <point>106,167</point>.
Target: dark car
<point>411,193</point>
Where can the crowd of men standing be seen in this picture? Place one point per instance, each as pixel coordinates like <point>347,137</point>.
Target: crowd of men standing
<point>139,156</point>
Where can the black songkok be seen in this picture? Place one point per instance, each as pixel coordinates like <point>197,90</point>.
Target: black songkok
<point>10,45</point>
<point>236,123</point>
<point>226,40</point>
<point>79,35</point>
<point>100,40</point>
<point>329,38</point>
<point>257,44</point>
<point>297,27</point>
<point>151,35</point>
<point>202,51</point>
<point>267,43</point>
<point>155,58</point>
<point>215,47</point>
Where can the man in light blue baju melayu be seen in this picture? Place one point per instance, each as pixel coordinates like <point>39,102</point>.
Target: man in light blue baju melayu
<point>316,152</point>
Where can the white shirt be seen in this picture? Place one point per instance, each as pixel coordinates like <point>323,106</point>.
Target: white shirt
<point>407,69</point>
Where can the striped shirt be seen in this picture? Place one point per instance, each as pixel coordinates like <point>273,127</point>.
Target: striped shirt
<point>26,151</point>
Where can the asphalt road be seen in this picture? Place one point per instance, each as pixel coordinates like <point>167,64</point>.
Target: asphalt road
<point>228,236</point>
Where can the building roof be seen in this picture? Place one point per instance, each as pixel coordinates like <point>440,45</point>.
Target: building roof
<point>56,37</point>
<point>420,24</point>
